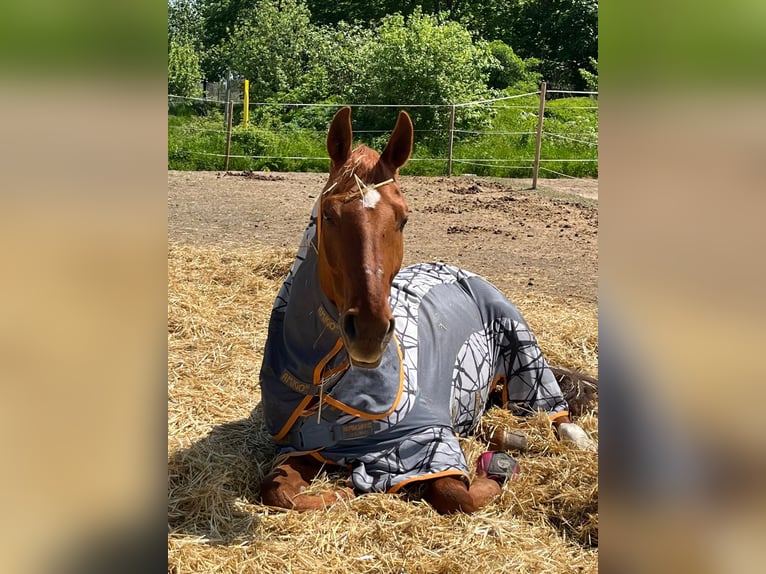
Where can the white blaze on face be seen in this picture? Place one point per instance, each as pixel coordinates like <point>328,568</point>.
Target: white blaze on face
<point>378,272</point>
<point>370,198</point>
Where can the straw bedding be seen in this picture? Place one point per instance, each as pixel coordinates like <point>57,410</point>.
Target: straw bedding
<point>219,301</point>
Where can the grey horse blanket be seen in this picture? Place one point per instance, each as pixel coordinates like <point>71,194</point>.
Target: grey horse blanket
<point>456,338</point>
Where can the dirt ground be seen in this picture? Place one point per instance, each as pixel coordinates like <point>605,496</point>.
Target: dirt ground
<point>543,241</point>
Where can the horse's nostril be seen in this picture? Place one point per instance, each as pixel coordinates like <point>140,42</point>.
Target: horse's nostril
<point>391,327</point>
<point>349,326</point>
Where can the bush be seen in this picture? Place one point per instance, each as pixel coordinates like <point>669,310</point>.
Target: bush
<point>420,61</point>
<point>513,72</point>
<point>591,78</point>
<point>184,73</point>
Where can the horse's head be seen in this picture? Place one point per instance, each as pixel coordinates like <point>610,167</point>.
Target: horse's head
<point>362,214</point>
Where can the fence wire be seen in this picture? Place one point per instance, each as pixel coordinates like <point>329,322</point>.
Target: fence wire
<point>569,140</point>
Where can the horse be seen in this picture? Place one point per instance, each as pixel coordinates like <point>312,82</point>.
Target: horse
<point>380,368</point>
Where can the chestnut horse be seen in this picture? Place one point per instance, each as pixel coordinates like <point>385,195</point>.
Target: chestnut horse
<point>380,369</point>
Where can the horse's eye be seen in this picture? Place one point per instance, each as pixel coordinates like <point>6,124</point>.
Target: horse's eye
<point>327,218</point>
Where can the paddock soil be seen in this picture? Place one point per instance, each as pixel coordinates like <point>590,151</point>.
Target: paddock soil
<point>524,241</point>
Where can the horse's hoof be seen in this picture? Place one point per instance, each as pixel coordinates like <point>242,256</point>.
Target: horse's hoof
<point>497,466</point>
<point>570,432</point>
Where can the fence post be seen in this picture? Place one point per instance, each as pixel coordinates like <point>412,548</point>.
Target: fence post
<point>228,95</point>
<point>538,142</point>
<point>230,112</point>
<point>246,114</point>
<point>451,140</point>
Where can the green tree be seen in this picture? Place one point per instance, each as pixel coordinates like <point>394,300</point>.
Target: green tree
<point>417,60</point>
<point>490,19</point>
<point>219,19</point>
<point>334,60</point>
<point>185,23</point>
<point>184,73</point>
<point>373,11</point>
<point>369,12</point>
<point>270,47</point>
<point>563,34</point>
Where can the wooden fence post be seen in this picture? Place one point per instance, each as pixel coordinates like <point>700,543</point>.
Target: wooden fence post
<point>230,110</point>
<point>538,142</point>
<point>451,140</point>
<point>228,96</point>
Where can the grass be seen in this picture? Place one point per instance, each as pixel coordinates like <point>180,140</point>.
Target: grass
<point>198,142</point>
<point>499,154</point>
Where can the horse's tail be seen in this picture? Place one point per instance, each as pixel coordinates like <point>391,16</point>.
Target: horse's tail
<point>579,390</point>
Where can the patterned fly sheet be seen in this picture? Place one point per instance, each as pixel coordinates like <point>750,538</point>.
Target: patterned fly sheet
<point>456,338</point>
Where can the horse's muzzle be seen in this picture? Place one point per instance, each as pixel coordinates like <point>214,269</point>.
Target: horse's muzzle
<point>365,339</point>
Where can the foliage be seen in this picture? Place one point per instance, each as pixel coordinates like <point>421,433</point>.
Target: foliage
<point>513,71</point>
<point>369,12</point>
<point>184,73</point>
<point>334,59</point>
<point>562,34</point>
<point>417,60</point>
<point>269,47</point>
<point>591,78</point>
<point>490,19</point>
<point>185,24</point>
<point>385,52</point>
<point>219,19</point>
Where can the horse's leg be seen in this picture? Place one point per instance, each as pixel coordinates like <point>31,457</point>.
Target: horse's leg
<point>450,494</point>
<point>579,391</point>
<point>574,433</point>
<point>503,438</point>
<point>285,485</point>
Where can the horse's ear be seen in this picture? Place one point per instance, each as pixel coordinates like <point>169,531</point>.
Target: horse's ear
<point>339,137</point>
<point>399,147</point>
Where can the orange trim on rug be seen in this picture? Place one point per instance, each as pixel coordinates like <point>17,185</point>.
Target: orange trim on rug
<point>315,455</point>
<point>443,473</point>
<point>293,417</point>
<point>280,459</point>
<point>558,415</point>
<point>336,370</point>
<point>321,364</point>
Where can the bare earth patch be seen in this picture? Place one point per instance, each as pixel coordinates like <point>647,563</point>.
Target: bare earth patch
<point>543,241</point>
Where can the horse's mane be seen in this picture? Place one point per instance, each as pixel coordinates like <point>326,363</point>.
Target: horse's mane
<point>364,164</point>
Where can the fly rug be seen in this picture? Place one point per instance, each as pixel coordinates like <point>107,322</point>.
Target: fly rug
<point>380,368</point>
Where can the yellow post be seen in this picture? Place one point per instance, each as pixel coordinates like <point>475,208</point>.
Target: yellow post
<point>246,115</point>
